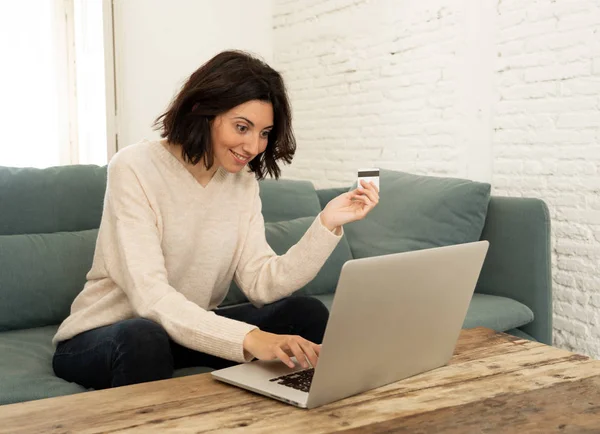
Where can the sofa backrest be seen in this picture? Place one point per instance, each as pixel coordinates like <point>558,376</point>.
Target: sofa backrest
<point>288,199</point>
<point>49,220</point>
<point>57,199</point>
<point>48,229</point>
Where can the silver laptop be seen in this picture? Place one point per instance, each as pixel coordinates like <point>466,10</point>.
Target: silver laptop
<point>393,316</point>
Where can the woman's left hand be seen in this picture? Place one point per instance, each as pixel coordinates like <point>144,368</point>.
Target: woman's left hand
<point>351,206</point>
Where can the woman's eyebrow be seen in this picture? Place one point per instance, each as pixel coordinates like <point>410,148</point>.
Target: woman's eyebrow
<point>246,119</point>
<point>250,122</point>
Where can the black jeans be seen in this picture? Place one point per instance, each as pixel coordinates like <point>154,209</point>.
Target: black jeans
<point>139,350</point>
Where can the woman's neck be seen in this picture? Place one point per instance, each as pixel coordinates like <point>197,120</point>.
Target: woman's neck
<point>199,171</point>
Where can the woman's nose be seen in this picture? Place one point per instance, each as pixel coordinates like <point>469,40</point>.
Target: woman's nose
<point>252,146</point>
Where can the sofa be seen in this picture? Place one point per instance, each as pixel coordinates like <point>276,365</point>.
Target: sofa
<point>49,221</point>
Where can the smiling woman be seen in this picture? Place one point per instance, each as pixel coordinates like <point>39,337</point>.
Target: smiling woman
<point>182,219</point>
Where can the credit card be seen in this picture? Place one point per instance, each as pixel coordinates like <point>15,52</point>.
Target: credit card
<point>368,175</point>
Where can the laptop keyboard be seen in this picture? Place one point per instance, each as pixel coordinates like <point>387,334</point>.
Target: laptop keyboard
<point>297,380</point>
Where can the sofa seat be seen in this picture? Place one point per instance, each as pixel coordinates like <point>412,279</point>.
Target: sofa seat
<point>501,314</point>
<point>26,367</point>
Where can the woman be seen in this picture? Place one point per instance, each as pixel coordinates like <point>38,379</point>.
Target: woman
<point>181,219</point>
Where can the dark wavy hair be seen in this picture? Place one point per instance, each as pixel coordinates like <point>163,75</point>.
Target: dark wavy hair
<point>227,80</point>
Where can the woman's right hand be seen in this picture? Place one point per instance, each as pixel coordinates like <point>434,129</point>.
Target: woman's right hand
<point>269,346</point>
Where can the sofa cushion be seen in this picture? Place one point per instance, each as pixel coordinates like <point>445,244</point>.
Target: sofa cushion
<point>283,235</point>
<point>498,313</point>
<point>327,194</point>
<point>56,199</point>
<point>288,199</point>
<point>40,275</point>
<point>419,212</point>
<point>26,367</point>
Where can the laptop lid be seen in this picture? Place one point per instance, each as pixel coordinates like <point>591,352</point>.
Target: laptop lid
<point>393,317</point>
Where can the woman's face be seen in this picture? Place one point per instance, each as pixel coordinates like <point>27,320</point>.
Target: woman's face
<point>241,134</point>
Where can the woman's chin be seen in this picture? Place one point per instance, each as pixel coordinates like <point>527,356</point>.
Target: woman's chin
<point>234,168</point>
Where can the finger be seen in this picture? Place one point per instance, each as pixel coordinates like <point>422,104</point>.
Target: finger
<point>371,191</point>
<point>298,352</point>
<point>371,194</point>
<point>316,348</point>
<point>369,186</point>
<point>364,199</point>
<point>310,352</point>
<point>281,355</point>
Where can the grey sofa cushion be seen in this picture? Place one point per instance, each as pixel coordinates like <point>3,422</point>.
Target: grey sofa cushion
<point>26,367</point>
<point>283,235</point>
<point>288,199</point>
<point>498,313</point>
<point>56,199</point>
<point>40,275</point>
<point>418,212</point>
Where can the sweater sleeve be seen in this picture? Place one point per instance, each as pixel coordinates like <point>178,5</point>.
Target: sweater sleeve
<point>135,262</point>
<point>265,277</point>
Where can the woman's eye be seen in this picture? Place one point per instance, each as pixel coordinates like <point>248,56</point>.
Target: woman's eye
<point>242,128</point>
<point>265,134</point>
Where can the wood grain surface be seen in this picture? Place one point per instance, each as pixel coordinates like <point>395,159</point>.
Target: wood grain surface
<point>494,383</point>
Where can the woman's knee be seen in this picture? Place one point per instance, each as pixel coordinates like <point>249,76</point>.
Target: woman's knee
<point>127,352</point>
<point>142,338</point>
<point>143,352</point>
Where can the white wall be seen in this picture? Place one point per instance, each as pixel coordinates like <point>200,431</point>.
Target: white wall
<point>159,43</point>
<point>547,144</point>
<point>506,91</point>
<point>398,85</point>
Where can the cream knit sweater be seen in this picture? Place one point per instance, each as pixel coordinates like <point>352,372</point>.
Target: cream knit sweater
<point>168,249</point>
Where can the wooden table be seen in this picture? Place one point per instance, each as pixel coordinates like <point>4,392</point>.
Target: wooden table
<point>494,383</point>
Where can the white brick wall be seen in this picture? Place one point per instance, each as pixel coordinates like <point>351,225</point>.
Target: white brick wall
<point>504,91</point>
<point>546,143</point>
<point>387,98</point>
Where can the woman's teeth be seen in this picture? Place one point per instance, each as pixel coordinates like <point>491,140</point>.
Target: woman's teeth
<point>238,156</point>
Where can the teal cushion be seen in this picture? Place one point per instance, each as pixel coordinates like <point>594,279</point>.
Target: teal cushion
<point>498,313</point>
<point>419,212</point>
<point>327,194</point>
<point>288,199</point>
<point>56,199</point>
<point>283,235</point>
<point>40,275</point>
<point>26,367</point>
